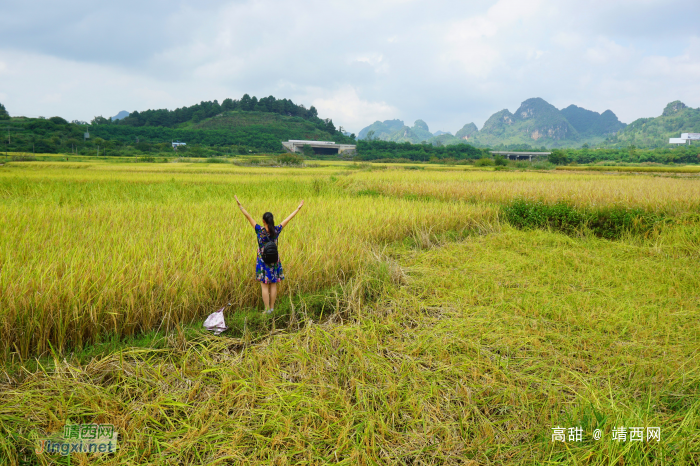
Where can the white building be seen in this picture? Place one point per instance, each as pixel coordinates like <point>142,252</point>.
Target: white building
<point>178,143</point>
<point>685,138</point>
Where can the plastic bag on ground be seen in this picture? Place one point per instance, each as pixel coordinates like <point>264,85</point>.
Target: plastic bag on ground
<point>215,322</point>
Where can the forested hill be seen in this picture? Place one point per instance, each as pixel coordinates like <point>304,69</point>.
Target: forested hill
<point>243,122</point>
<point>191,117</point>
<point>675,119</point>
<point>257,131</point>
<point>203,110</point>
<point>234,126</point>
<point>591,124</point>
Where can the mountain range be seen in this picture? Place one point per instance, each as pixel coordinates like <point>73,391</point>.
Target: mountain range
<point>538,123</point>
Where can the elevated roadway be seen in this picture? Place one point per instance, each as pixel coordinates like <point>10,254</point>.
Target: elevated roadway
<point>319,147</point>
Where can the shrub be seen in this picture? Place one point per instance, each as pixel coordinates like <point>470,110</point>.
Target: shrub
<point>485,162</point>
<point>307,150</point>
<point>24,158</point>
<point>558,157</point>
<point>500,160</point>
<point>610,222</point>
<point>290,159</point>
<point>543,166</point>
<point>58,120</point>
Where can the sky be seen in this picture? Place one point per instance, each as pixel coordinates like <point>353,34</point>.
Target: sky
<point>446,62</point>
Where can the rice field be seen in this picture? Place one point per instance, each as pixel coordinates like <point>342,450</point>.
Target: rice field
<point>99,249</point>
<point>672,195</point>
<point>694,169</point>
<point>452,338</point>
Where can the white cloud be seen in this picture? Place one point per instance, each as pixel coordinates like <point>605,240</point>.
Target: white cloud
<point>375,60</point>
<point>346,107</point>
<point>568,39</point>
<point>45,85</point>
<point>607,51</point>
<point>684,67</point>
<point>52,98</point>
<point>447,62</point>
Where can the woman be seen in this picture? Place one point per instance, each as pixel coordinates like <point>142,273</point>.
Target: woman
<point>268,275</point>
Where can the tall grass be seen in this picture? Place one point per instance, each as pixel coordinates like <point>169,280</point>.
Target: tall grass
<point>640,169</point>
<point>606,222</point>
<point>673,196</point>
<point>108,250</point>
<point>443,348</point>
<point>489,344</point>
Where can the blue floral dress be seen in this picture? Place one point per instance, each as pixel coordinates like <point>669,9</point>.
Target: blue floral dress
<point>263,272</point>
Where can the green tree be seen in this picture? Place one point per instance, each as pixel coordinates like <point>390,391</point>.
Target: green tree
<point>98,120</point>
<point>290,159</point>
<point>3,113</point>
<point>307,150</point>
<point>329,126</point>
<point>143,146</point>
<point>246,103</point>
<point>558,157</point>
<point>227,105</point>
<point>198,116</point>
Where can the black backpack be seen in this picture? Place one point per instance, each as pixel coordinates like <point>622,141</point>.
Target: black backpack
<point>269,252</point>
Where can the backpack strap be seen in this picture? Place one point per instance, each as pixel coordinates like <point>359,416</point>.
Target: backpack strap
<point>269,237</point>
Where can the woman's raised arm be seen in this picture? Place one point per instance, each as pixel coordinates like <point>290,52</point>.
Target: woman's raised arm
<point>245,212</point>
<point>291,216</point>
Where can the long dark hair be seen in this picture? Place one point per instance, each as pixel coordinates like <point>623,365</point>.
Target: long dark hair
<point>270,222</point>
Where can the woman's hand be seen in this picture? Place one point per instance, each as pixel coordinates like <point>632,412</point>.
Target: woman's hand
<point>291,216</point>
<point>245,212</point>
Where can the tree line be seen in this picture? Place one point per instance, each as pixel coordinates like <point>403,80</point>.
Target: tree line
<point>689,154</point>
<point>56,135</point>
<point>376,149</point>
<point>154,130</point>
<point>208,109</point>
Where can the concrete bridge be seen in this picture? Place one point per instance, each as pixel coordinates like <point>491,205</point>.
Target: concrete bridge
<point>517,155</point>
<point>319,147</point>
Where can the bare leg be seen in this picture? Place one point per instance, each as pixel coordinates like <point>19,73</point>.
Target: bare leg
<point>266,294</point>
<point>273,294</point>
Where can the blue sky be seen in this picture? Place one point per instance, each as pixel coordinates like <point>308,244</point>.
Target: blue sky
<point>448,63</point>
